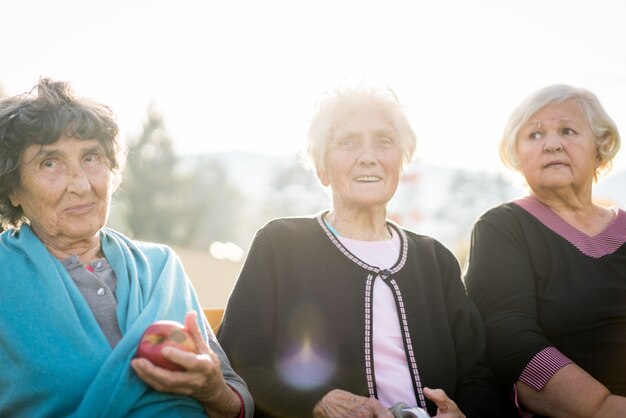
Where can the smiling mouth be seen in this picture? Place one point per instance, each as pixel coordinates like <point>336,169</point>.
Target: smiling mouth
<point>80,209</point>
<point>367,179</point>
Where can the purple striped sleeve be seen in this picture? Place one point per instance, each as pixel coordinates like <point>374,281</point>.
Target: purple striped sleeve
<point>542,367</point>
<point>537,373</point>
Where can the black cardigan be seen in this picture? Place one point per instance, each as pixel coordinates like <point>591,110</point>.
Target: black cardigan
<point>298,322</point>
<point>536,290</point>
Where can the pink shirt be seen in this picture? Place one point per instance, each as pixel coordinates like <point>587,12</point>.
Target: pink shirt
<point>391,370</point>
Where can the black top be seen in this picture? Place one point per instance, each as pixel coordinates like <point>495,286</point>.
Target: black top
<point>537,289</point>
<point>298,323</point>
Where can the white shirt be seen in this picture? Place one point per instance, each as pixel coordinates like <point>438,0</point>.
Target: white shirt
<point>391,370</point>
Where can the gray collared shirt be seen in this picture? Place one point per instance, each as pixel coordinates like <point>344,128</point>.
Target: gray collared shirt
<point>98,289</point>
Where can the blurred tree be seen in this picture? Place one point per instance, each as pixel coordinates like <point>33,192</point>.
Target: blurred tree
<point>149,189</point>
<point>213,202</point>
<point>294,191</point>
<point>166,199</point>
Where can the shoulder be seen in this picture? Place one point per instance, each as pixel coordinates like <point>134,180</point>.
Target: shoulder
<point>155,249</point>
<point>7,247</point>
<point>292,223</point>
<point>507,217</point>
<point>501,230</point>
<point>22,246</point>
<point>426,247</point>
<point>288,235</point>
<point>424,242</point>
<point>502,212</point>
<point>290,227</point>
<point>151,250</point>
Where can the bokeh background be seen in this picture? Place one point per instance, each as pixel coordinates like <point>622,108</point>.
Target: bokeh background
<point>214,100</point>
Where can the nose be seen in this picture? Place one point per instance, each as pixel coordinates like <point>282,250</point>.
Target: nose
<point>78,182</point>
<point>552,143</point>
<point>367,154</point>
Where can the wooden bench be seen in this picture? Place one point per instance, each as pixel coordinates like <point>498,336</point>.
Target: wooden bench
<point>214,316</point>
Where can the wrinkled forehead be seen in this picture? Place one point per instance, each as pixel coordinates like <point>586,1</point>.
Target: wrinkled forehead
<point>570,109</point>
<point>64,146</point>
<point>365,115</point>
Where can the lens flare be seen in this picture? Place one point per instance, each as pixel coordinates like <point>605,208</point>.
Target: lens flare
<point>306,366</point>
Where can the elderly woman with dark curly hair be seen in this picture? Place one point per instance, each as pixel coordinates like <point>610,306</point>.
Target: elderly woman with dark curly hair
<point>76,296</point>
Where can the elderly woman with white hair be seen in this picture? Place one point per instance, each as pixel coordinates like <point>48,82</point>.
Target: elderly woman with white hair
<point>346,314</point>
<point>548,271</point>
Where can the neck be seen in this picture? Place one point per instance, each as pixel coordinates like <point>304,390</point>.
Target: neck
<point>368,225</point>
<point>86,250</point>
<point>566,201</point>
<point>579,212</point>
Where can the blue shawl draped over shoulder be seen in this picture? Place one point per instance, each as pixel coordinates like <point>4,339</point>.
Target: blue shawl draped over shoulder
<point>54,358</point>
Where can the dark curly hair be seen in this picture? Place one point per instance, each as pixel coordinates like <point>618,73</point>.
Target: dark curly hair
<point>40,117</point>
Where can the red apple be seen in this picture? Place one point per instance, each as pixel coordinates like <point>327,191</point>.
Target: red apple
<point>163,334</point>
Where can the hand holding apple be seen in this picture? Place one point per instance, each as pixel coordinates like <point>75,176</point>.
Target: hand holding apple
<point>202,377</point>
<point>163,334</point>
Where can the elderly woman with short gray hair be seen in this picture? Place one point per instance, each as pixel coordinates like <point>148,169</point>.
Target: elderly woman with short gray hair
<point>346,313</point>
<point>548,271</point>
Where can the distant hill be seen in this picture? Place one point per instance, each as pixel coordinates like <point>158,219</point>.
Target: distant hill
<point>437,201</point>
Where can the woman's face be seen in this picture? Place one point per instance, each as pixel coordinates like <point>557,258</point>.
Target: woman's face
<point>556,149</point>
<point>65,189</point>
<point>363,159</point>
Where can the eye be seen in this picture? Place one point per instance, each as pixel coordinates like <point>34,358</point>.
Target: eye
<point>568,131</point>
<point>347,143</point>
<point>535,135</point>
<point>50,164</point>
<point>92,158</point>
<point>384,142</point>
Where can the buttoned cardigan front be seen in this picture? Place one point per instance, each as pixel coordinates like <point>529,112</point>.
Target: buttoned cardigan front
<point>299,320</point>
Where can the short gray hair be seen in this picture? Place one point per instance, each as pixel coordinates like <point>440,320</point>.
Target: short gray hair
<point>605,131</point>
<point>320,129</point>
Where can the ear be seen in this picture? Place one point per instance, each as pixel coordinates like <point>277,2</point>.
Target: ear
<point>323,177</point>
<point>603,144</point>
<point>15,201</point>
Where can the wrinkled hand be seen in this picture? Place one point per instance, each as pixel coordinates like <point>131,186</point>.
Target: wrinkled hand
<point>341,404</point>
<point>202,378</point>
<point>446,408</point>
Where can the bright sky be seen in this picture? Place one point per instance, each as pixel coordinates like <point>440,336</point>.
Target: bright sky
<point>246,74</point>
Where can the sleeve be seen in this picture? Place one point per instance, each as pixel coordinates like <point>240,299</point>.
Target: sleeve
<point>475,392</point>
<point>500,281</point>
<point>233,380</point>
<point>249,333</point>
<point>537,373</point>
<point>542,367</point>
